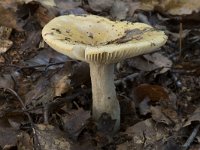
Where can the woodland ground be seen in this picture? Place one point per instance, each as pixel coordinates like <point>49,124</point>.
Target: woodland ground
<point>45,97</point>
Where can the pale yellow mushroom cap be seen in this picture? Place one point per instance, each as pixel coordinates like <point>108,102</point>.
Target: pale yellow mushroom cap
<point>97,39</point>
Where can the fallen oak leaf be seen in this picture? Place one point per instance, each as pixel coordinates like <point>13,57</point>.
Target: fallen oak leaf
<point>75,122</point>
<point>195,116</point>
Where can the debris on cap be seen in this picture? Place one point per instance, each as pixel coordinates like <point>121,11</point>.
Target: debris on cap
<point>93,38</point>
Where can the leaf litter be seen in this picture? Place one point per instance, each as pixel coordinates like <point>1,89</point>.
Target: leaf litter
<point>158,93</point>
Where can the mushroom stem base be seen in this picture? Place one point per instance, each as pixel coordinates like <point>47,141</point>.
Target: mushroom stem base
<point>104,94</point>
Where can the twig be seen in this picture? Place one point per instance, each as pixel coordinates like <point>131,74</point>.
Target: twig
<point>129,77</point>
<point>28,115</point>
<point>35,66</point>
<point>180,39</point>
<point>191,138</point>
<point>14,93</point>
<point>59,101</point>
<point>46,114</point>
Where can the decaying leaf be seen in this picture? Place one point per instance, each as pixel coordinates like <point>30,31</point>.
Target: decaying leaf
<point>144,106</point>
<point>155,93</point>
<point>158,116</point>
<point>133,6</point>
<point>101,5</point>
<point>75,122</point>
<point>61,83</point>
<point>41,93</point>
<point>172,114</point>
<point>2,59</point>
<point>43,2</point>
<point>45,14</point>
<point>160,61</point>
<point>16,14</point>
<point>5,32</point>
<point>32,41</point>
<point>5,43</point>
<point>6,81</point>
<point>65,6</point>
<point>80,74</point>
<point>194,117</point>
<point>24,141</point>
<point>45,57</point>
<point>119,6</point>
<point>50,137</point>
<point>8,16</point>
<point>173,7</point>
<point>141,63</point>
<point>8,135</point>
<point>44,90</point>
<point>150,62</point>
<point>146,133</point>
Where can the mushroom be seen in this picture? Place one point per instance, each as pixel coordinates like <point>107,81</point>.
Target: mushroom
<point>101,43</point>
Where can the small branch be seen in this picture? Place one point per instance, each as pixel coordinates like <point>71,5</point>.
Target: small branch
<point>191,138</point>
<point>180,39</point>
<point>58,102</point>
<point>46,66</point>
<point>46,114</point>
<point>129,77</point>
<point>24,108</point>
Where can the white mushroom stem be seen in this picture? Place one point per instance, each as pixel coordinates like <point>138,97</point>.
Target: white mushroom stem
<point>104,94</point>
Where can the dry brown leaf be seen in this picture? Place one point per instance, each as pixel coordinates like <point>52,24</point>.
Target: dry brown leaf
<point>45,89</point>
<point>2,59</point>
<point>43,2</point>
<point>44,57</point>
<point>45,14</point>
<point>150,62</point>
<point>194,117</point>
<point>5,43</point>
<point>24,141</point>
<point>160,61</point>
<point>8,17</point>
<point>100,5</point>
<point>141,63</point>
<point>80,74</point>
<point>154,92</point>
<point>8,135</point>
<point>119,10</point>
<point>184,7</point>
<point>64,5</point>
<point>158,116</point>
<point>6,81</point>
<point>176,36</point>
<point>32,41</point>
<point>146,133</point>
<point>61,83</point>
<point>171,114</point>
<point>144,106</point>
<point>5,32</point>
<point>51,138</point>
<point>16,14</point>
<point>133,6</point>
<point>41,93</point>
<point>172,7</point>
<point>75,121</point>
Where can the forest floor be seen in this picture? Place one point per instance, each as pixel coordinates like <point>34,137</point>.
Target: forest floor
<point>45,97</point>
